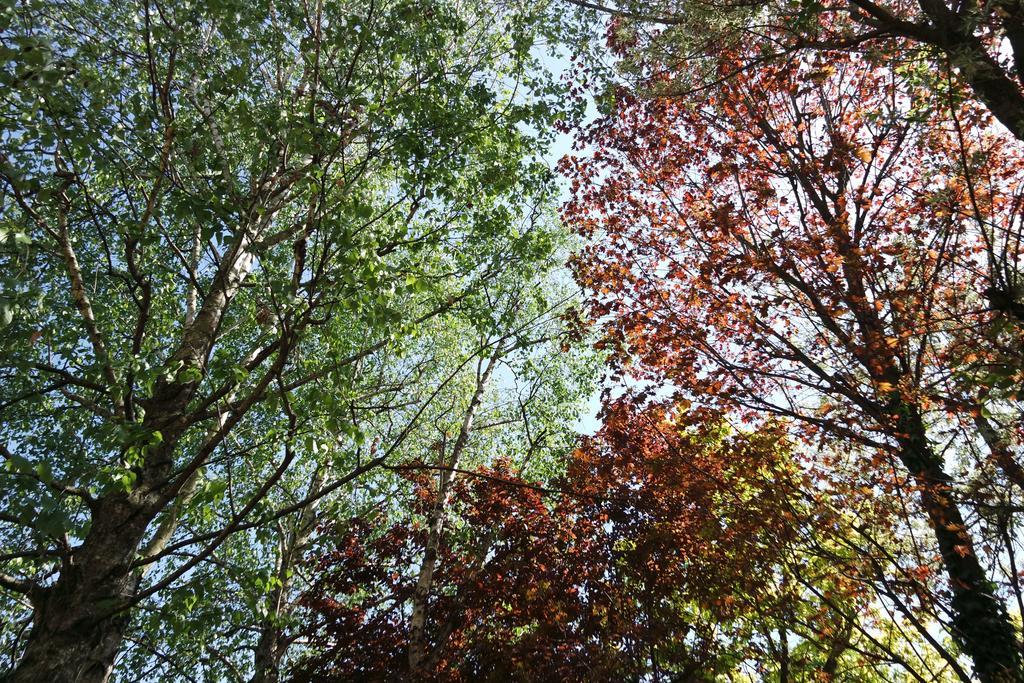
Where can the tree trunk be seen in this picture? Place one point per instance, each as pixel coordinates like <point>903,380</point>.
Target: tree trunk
<point>981,624</point>
<point>270,651</point>
<point>273,641</point>
<point>419,650</point>
<point>1000,450</point>
<point>71,641</point>
<point>79,622</point>
<point>839,645</point>
<point>783,656</point>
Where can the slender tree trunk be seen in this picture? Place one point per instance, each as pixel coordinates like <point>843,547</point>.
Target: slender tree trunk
<point>840,645</point>
<point>1000,451</point>
<point>418,645</point>
<point>783,655</point>
<point>271,645</point>
<point>270,650</point>
<point>981,624</point>
<point>273,641</point>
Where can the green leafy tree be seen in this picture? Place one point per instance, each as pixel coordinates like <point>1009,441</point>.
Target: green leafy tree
<point>222,223</point>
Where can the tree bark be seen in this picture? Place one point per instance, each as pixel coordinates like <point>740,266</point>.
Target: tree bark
<point>270,651</point>
<point>981,625</point>
<point>1000,450</point>
<point>993,85</point>
<point>79,622</point>
<point>840,645</point>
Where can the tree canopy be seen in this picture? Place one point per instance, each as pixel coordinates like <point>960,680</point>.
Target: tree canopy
<point>301,325</point>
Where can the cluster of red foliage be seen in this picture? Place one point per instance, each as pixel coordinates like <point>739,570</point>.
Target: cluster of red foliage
<point>662,529</point>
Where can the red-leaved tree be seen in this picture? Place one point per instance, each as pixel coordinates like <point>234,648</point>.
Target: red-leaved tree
<point>664,529</point>
<point>811,240</point>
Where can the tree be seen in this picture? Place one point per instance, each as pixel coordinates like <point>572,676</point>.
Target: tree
<point>216,217</point>
<point>804,243</point>
<point>983,43</point>
<point>657,537</point>
<point>973,49</point>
